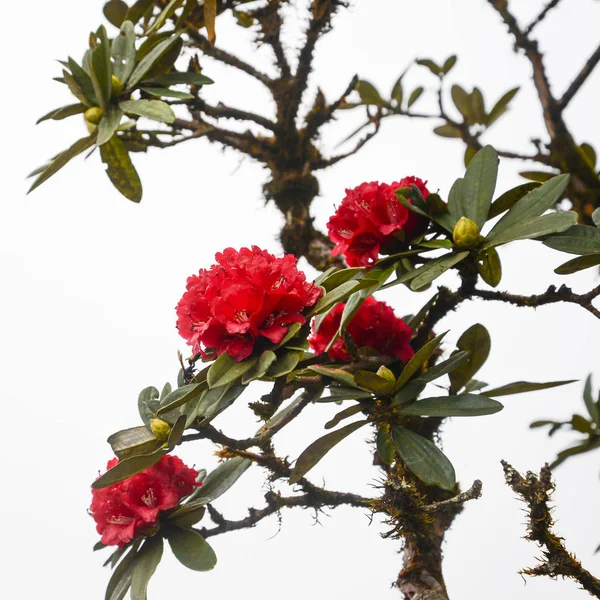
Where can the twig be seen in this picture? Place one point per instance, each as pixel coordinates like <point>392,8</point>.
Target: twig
<point>552,4</point>
<point>473,493</point>
<point>580,79</point>
<point>535,491</point>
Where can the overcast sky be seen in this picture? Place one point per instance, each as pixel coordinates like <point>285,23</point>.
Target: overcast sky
<point>90,282</point>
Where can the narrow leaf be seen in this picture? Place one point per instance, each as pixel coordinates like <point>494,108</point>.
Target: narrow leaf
<point>120,169</point>
<point>220,480</point>
<point>145,566</point>
<point>479,184</point>
<point>519,387</point>
<point>431,271</point>
<point>465,405</point>
<point>418,360</point>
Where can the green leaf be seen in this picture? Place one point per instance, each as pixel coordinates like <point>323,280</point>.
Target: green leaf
<point>339,294</point>
<point>101,64</point>
<point>108,125</point>
<point>373,382</point>
<point>448,131</point>
<point>423,458</point>
<point>479,184</point>
<point>539,176</point>
<point>80,84</point>
<point>157,110</point>
<point>431,271</point>
<point>582,425</point>
<point>426,62</point>
<point>127,467</point>
<point>470,152</point>
<point>448,64</point>
<point>312,396</point>
<point>556,222</point>
<point>368,93</point>
<point>589,154</point>
<point>590,404</point>
<point>478,106</point>
<point>285,364</point>
<point>344,414</point>
<point>462,101</point>
<point>409,392</point>
<point>339,375</point>
<point>265,360</point>
<point>533,204</point>
<point>579,239</point>
<point>507,200</point>
<point>132,441</point>
<point>176,78</point>
<point>398,92</point>
<point>187,515</point>
<point>418,360</point>
<point>120,580</point>
<point>62,159</point>
<point>123,52</point>
<point>490,267</point>
<point>226,369</point>
<point>217,399</point>
<point>166,93</point>
<point>164,15</point>
<point>191,549</point>
<point>574,450</point>
<point>220,480</point>
<point>58,114</point>
<point>145,566</point>
<point>474,385</point>
<point>465,405</point>
<point>445,367</point>
<point>180,397</point>
<point>115,11</point>
<point>475,340</point>
<point>578,264</point>
<point>147,62</point>
<point>455,200</point>
<point>501,106</point>
<point>415,95</point>
<point>337,277</point>
<point>148,405</point>
<point>385,448</point>
<point>120,169</point>
<point>339,393</point>
<point>177,432</point>
<point>519,387</point>
<point>319,448</point>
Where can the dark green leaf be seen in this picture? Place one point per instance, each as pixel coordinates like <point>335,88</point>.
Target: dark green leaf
<point>127,467</point>
<point>220,480</point>
<point>474,385</point>
<point>582,425</point>
<point>574,450</point>
<point>426,62</point>
<point>385,448</point>
<point>265,360</point>
<point>455,200</point>
<point>132,441</point>
<point>337,277</point>
<point>409,392</point>
<point>108,125</point>
<point>490,267</point>
<point>339,375</point>
<point>462,101</point>
<point>448,130</point>
<point>164,15</point>
<point>344,414</point>
<point>415,321</point>
<point>415,95</point>
<point>368,93</point>
<point>478,106</point>
<point>115,11</point>
<point>519,387</point>
<point>191,549</point>
<point>479,184</point>
<point>445,367</point>
<point>423,458</point>
<point>432,270</point>
<point>145,565</point>
<point>339,393</point>
<point>417,361</point>
<point>76,89</point>
<point>120,580</point>
<point>589,401</point>
<point>123,52</point>
<point>589,154</point>
<point>536,227</point>
<point>501,106</point>
<point>284,364</point>
<point>217,399</point>
<point>507,200</point>
<point>150,109</point>
<point>398,92</point>
<point>187,515</point>
<point>176,432</point>
<point>339,294</point>
<point>120,169</point>
<point>84,82</point>
<point>147,62</point>
<point>180,397</point>
<point>470,152</point>
<point>62,159</point>
<point>475,340</point>
<point>578,264</point>
<point>465,405</point>
<point>101,68</point>
<point>533,204</point>
<point>166,93</point>
<point>175,78</point>
<point>137,10</point>
<point>373,382</point>
<point>448,64</point>
<point>58,114</point>
<point>539,176</point>
<point>226,369</point>
<point>319,448</point>
<point>579,239</point>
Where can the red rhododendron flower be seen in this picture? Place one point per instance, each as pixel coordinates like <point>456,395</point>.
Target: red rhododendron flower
<point>368,218</point>
<point>130,508</point>
<point>374,325</point>
<point>245,296</point>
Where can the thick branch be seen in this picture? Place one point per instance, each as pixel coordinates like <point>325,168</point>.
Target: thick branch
<point>550,296</point>
<point>535,491</point>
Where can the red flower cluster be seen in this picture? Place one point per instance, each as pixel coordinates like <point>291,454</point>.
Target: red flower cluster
<point>130,508</point>
<point>247,295</point>
<point>368,218</point>
<point>374,325</point>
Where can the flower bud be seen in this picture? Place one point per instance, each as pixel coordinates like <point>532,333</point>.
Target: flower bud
<point>116,86</point>
<point>161,429</point>
<point>93,115</point>
<point>466,234</point>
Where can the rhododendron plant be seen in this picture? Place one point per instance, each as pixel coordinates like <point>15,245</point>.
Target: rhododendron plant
<point>131,508</point>
<point>371,221</point>
<point>247,296</point>
<point>374,325</point>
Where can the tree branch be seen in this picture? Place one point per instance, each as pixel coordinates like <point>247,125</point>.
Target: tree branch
<point>552,4</point>
<point>580,79</point>
<point>535,491</point>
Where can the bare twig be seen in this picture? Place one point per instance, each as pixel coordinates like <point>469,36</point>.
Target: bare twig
<point>552,4</point>
<point>580,79</point>
<point>535,491</point>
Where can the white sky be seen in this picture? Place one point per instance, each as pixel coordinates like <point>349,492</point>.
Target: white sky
<point>91,281</point>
